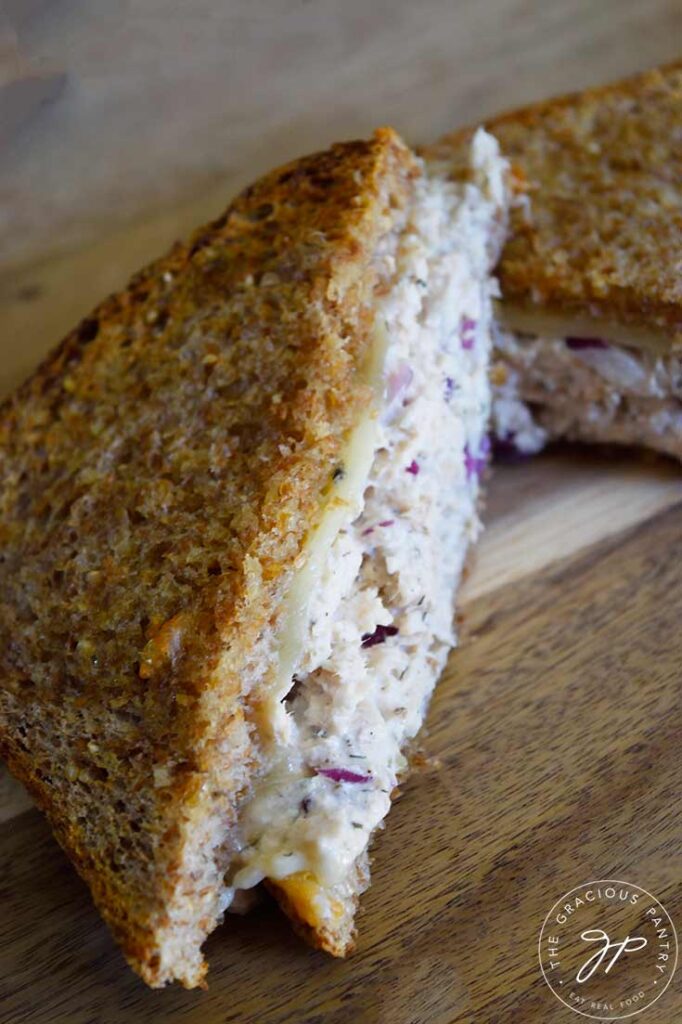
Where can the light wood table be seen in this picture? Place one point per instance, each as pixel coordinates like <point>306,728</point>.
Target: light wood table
<point>553,742</point>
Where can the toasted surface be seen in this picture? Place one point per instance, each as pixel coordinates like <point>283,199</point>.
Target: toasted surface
<point>159,474</point>
<point>603,173</point>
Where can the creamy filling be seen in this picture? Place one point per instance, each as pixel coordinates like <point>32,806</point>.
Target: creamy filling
<point>378,607</point>
<point>585,388</point>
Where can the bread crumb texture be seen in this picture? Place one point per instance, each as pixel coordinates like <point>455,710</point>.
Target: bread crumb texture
<point>601,227</point>
<point>158,476</point>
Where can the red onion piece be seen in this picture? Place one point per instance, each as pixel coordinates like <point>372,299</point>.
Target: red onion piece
<point>384,522</point>
<point>343,775</point>
<point>577,344</point>
<point>379,636</point>
<point>466,327</point>
<point>475,464</point>
<point>413,468</point>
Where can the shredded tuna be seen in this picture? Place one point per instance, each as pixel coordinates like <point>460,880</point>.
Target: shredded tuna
<point>379,623</point>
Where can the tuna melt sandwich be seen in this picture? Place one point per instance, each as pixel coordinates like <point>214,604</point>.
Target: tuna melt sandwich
<point>235,504</point>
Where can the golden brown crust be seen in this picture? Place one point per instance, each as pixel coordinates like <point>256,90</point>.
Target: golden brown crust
<point>338,943</point>
<point>333,933</point>
<point>603,171</point>
<point>158,475</point>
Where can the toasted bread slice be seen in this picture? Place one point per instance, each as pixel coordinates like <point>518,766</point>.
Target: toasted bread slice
<point>591,310</point>
<point>600,233</point>
<point>207,497</point>
<point>160,473</point>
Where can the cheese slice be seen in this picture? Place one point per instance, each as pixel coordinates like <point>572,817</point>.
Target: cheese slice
<point>548,324</point>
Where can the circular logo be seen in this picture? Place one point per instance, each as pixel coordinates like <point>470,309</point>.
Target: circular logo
<point>608,949</point>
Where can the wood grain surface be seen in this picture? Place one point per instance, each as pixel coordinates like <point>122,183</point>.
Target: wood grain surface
<point>553,744</point>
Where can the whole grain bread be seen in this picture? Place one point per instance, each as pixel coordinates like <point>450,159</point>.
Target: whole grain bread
<point>159,474</point>
<point>601,230</point>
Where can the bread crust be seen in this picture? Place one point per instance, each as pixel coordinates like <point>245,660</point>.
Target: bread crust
<point>158,476</point>
<point>602,230</point>
<point>337,939</point>
<point>337,933</point>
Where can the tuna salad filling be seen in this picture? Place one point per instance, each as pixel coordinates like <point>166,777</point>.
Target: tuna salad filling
<point>379,609</point>
<point>585,389</point>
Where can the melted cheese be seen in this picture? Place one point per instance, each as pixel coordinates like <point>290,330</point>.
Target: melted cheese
<point>542,322</point>
<point>343,505</point>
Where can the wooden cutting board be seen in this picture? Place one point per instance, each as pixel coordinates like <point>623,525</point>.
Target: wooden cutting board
<point>553,744</point>
<point>553,757</point>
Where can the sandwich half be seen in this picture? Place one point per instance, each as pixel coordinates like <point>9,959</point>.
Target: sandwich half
<point>235,504</point>
<point>589,345</point>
